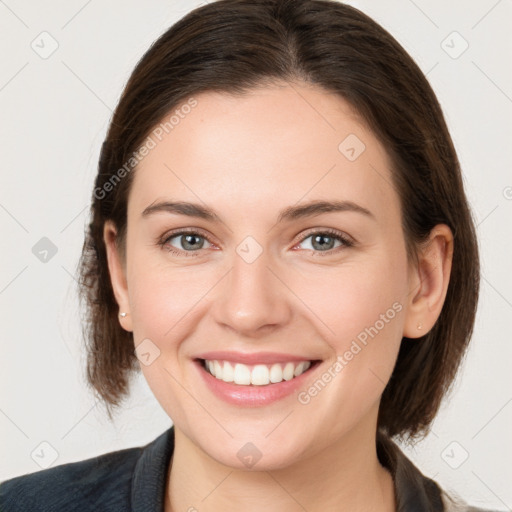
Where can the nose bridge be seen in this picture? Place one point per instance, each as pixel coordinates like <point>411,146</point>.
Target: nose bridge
<point>252,297</point>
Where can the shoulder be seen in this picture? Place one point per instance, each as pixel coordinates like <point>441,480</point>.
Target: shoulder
<point>98,483</point>
<point>414,491</point>
<point>453,503</point>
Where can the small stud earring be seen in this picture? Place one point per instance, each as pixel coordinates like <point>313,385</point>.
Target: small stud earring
<point>419,326</point>
<point>122,315</point>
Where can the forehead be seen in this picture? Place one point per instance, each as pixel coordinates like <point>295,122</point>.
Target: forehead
<point>273,145</point>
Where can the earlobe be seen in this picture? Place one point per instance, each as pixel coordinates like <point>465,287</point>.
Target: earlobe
<point>117,274</point>
<point>429,280</point>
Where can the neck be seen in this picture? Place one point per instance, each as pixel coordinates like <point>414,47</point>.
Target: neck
<point>346,477</point>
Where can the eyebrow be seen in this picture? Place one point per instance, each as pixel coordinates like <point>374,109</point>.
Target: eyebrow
<point>290,213</point>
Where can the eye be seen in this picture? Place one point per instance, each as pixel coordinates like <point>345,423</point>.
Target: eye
<point>324,242</point>
<point>184,243</point>
<point>190,243</point>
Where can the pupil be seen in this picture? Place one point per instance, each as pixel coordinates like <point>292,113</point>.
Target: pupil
<point>187,241</point>
<point>324,237</point>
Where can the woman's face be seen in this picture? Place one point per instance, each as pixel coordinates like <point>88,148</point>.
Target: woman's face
<point>263,278</point>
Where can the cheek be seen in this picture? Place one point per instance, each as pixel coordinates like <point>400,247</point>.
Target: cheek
<point>164,305</point>
<point>360,310</point>
<point>161,296</point>
<point>355,296</point>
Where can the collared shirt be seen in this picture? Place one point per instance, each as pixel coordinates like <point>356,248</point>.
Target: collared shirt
<point>134,480</point>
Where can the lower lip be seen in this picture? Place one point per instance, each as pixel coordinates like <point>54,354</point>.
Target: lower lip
<point>253,396</point>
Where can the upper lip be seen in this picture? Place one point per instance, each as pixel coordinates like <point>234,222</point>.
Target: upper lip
<point>252,358</point>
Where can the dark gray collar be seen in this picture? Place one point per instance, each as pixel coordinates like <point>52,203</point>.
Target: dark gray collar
<point>414,492</point>
<point>150,474</point>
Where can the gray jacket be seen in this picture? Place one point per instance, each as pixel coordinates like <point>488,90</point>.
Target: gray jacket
<point>134,480</point>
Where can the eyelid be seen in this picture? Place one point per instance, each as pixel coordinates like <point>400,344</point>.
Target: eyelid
<point>180,231</point>
<point>347,240</point>
<point>326,231</point>
<point>183,231</point>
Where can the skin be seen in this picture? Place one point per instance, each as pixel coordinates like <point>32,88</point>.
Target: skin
<point>248,157</point>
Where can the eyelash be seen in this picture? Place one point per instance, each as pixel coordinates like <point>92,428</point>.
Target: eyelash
<point>346,242</point>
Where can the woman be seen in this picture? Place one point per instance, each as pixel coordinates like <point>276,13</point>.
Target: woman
<point>281,242</point>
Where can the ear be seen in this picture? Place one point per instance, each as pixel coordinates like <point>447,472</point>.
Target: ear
<point>117,272</point>
<point>429,279</point>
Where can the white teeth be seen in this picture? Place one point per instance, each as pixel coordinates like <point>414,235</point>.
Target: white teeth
<point>260,375</point>
<point>217,369</point>
<point>242,374</point>
<point>257,375</point>
<point>301,367</point>
<point>228,373</point>
<point>288,371</point>
<point>276,373</point>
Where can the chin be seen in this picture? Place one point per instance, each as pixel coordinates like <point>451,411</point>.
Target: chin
<point>249,457</point>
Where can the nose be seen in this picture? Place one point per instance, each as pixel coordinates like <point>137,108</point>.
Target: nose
<point>253,298</point>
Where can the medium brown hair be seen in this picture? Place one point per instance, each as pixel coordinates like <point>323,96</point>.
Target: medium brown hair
<point>235,45</point>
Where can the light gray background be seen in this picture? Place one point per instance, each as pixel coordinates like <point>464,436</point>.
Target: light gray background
<point>54,115</point>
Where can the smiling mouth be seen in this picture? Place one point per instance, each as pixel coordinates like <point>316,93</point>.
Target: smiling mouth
<point>258,374</point>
